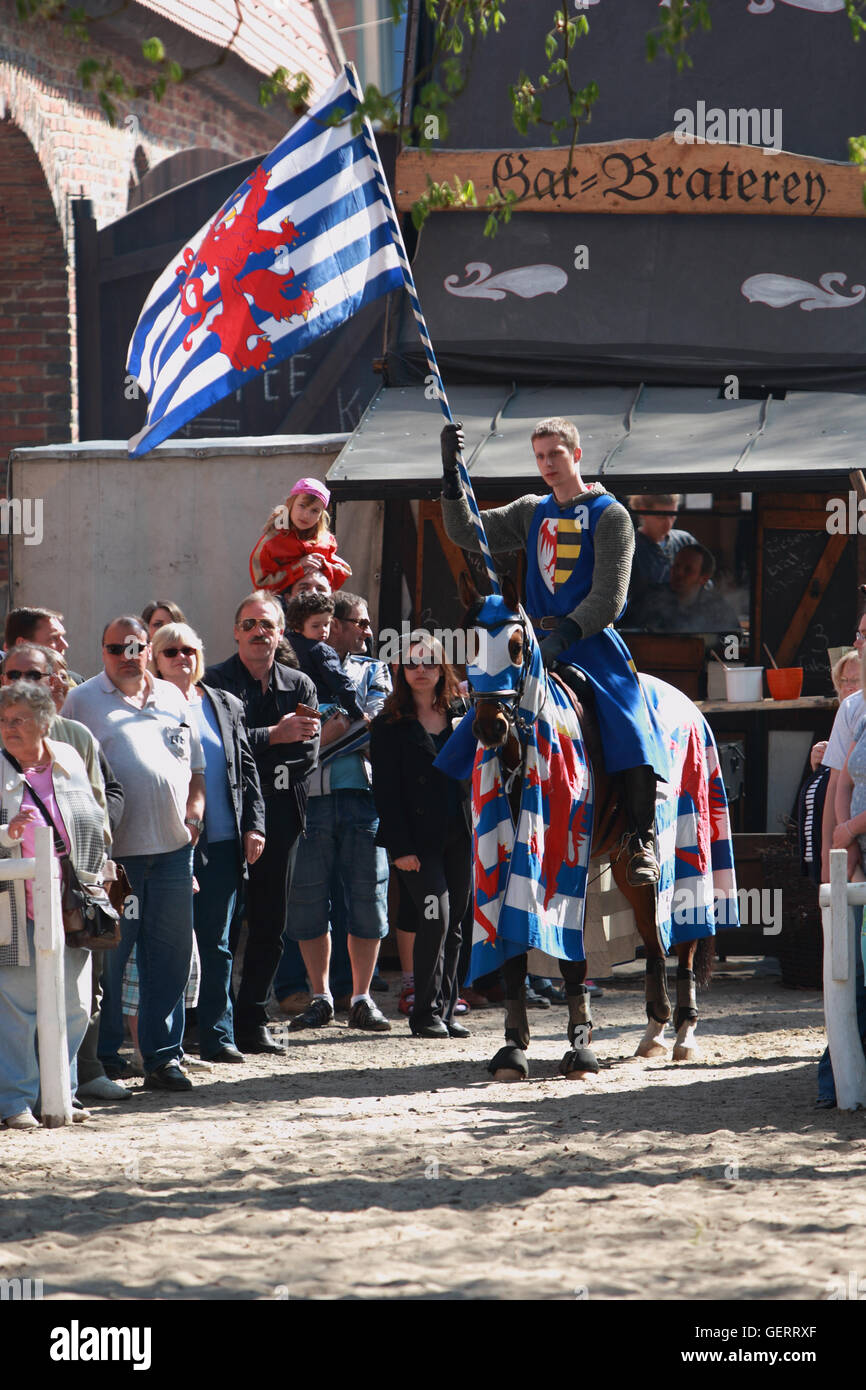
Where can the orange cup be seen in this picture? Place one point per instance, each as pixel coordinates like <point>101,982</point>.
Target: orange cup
<point>786,682</point>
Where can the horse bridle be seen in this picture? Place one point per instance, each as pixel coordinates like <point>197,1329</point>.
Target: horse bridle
<point>506,702</point>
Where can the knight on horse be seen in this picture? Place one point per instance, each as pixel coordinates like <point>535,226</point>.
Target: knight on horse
<point>579,543</point>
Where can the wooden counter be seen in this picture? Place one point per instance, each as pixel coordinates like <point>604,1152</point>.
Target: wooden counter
<point>756,724</point>
<point>767,706</point>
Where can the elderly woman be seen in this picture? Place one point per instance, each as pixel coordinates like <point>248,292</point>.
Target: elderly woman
<point>57,775</point>
<point>233,834</point>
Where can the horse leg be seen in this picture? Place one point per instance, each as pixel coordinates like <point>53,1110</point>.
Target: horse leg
<point>580,1061</point>
<point>686,1017</point>
<point>510,1062</point>
<point>658,1005</point>
<point>658,1009</point>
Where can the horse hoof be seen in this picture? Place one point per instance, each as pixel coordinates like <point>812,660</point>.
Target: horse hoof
<point>578,1064</point>
<point>652,1049</point>
<point>685,1054</point>
<point>509,1064</point>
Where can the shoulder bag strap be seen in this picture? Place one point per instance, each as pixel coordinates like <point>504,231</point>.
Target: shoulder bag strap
<point>59,842</point>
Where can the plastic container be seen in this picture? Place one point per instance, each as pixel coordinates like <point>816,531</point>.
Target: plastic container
<point>744,684</point>
<point>716,687</point>
<point>785,682</point>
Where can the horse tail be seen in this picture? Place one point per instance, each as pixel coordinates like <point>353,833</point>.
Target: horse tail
<point>705,956</point>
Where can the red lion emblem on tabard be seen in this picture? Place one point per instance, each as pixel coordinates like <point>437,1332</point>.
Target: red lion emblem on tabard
<point>225,251</point>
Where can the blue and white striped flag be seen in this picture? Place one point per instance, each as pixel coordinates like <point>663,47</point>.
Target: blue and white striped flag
<point>300,247</point>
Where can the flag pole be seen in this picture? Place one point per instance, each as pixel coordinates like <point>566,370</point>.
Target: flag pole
<point>409,281</point>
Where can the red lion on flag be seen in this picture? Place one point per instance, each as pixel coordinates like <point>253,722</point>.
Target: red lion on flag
<point>226,250</point>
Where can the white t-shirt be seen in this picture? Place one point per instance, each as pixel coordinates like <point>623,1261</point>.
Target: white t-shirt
<point>848,716</point>
<point>152,752</point>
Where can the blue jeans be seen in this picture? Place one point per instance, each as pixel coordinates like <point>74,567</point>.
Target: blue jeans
<point>213,909</point>
<point>339,848</point>
<point>162,936</point>
<point>19,1060</point>
<point>826,1084</point>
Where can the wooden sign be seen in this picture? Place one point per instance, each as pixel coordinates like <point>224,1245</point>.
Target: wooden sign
<point>660,175</point>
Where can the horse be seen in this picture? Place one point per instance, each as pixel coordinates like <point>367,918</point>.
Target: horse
<point>509,720</point>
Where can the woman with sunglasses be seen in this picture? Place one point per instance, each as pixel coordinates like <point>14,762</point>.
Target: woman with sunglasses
<point>233,833</point>
<point>424,825</point>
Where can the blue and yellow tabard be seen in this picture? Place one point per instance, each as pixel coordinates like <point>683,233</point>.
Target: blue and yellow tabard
<point>560,559</point>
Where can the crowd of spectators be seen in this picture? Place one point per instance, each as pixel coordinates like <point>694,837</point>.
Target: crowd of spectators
<point>202,781</point>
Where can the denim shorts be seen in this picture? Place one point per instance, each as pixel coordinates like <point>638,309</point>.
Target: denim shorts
<point>338,853</point>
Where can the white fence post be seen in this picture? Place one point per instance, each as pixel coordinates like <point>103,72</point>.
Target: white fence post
<point>54,1081</point>
<point>837,898</point>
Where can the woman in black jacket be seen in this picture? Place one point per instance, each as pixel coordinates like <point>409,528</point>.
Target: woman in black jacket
<point>424,825</point>
<point>232,835</point>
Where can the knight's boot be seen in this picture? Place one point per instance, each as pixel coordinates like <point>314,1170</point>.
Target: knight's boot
<point>639,799</point>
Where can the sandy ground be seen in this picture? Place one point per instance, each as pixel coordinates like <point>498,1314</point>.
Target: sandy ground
<point>381,1166</point>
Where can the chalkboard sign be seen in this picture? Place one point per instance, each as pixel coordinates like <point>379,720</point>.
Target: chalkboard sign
<point>789,559</point>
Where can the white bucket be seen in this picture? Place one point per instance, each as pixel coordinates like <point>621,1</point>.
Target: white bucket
<point>744,683</point>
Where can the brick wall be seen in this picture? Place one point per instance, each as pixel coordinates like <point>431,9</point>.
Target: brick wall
<point>56,145</point>
<point>78,149</point>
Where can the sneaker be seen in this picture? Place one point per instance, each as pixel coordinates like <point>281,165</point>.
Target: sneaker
<point>103,1088</point>
<point>596,991</point>
<point>115,1067</point>
<point>294,1003</point>
<point>366,1015</point>
<point>461,1007</point>
<point>25,1119</point>
<point>535,1001</point>
<point>317,1015</point>
<point>79,1114</point>
<point>407,1001</point>
<point>551,992</point>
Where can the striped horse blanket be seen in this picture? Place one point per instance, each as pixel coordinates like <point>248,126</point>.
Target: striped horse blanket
<point>530,877</point>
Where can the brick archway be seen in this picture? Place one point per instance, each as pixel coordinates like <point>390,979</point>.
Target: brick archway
<point>36,397</point>
<point>35,386</point>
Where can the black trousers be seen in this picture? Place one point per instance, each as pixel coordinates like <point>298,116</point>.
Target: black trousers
<point>439,892</point>
<point>267,895</point>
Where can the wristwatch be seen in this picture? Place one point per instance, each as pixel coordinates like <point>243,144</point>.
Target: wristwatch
<point>195,824</point>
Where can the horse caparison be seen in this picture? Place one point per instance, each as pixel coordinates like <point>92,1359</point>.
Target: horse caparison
<point>494,728</point>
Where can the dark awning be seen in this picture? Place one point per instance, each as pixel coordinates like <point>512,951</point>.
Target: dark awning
<point>673,436</point>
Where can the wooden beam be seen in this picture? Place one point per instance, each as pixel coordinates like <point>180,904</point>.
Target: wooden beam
<point>812,596</point>
<point>658,176</point>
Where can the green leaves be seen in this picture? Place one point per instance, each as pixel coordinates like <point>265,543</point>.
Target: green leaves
<point>442,196</point>
<point>676,26</point>
<point>153,50</point>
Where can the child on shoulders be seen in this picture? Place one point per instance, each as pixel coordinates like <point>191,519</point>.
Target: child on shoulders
<point>297,540</point>
<point>308,627</point>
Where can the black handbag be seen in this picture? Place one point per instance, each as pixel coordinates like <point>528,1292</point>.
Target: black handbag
<point>90,921</point>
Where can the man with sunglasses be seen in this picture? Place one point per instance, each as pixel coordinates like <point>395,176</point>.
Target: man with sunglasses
<point>143,726</point>
<point>285,745</point>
